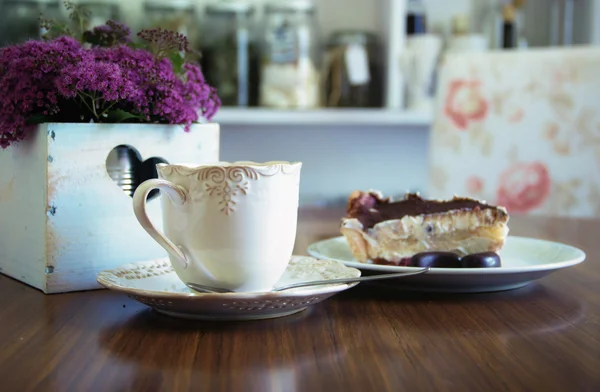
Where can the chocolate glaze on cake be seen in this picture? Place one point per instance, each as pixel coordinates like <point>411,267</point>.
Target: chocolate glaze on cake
<point>370,209</point>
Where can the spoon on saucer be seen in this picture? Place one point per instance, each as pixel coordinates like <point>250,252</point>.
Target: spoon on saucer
<point>215,290</point>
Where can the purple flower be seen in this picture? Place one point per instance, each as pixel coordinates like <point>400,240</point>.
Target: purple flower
<point>111,34</point>
<point>26,71</point>
<point>61,81</point>
<point>164,40</point>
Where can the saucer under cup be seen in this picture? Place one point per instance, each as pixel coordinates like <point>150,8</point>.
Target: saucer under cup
<point>155,284</point>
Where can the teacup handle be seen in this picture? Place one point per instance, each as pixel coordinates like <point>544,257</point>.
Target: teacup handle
<point>178,196</point>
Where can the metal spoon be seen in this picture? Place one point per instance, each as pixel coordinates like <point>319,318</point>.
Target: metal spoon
<point>207,289</point>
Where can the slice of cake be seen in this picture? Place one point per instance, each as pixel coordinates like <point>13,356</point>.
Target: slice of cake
<point>383,231</point>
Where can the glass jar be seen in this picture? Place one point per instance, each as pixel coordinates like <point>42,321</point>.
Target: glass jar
<point>101,11</point>
<point>229,53</point>
<point>173,15</point>
<point>290,56</point>
<point>20,19</point>
<point>353,70</point>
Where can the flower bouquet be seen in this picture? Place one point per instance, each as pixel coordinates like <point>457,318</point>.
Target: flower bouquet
<point>101,76</point>
<point>68,101</point>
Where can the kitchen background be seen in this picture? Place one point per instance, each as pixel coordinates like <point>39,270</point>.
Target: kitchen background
<point>372,133</point>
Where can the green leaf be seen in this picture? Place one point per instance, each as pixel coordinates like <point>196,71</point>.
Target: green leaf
<point>119,115</point>
<point>193,57</point>
<point>138,45</point>
<point>177,62</point>
<point>55,31</point>
<point>38,119</point>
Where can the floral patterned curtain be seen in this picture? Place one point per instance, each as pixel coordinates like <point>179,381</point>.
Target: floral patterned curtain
<point>520,129</point>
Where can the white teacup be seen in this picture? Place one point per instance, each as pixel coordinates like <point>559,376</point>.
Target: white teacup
<point>227,225</point>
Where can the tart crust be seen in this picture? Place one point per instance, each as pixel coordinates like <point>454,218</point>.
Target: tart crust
<point>461,230</point>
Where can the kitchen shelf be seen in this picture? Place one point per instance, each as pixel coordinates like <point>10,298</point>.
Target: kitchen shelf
<point>345,117</point>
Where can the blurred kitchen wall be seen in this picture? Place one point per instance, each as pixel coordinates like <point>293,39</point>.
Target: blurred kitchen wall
<point>393,158</point>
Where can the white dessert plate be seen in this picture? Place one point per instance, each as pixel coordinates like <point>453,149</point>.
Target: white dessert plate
<point>154,283</point>
<point>523,261</point>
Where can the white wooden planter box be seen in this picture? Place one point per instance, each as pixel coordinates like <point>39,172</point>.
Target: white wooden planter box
<point>63,219</point>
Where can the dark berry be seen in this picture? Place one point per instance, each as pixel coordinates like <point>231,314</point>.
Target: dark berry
<point>435,260</point>
<point>405,261</point>
<point>481,260</point>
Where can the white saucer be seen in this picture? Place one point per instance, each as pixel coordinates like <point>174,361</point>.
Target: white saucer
<point>154,283</point>
<point>523,261</point>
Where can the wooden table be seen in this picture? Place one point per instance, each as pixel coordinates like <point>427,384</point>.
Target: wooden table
<point>544,337</point>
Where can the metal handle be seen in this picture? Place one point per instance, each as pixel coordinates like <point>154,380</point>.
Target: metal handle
<point>351,280</point>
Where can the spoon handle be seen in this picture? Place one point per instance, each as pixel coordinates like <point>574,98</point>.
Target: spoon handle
<point>351,280</point>
<point>213,290</point>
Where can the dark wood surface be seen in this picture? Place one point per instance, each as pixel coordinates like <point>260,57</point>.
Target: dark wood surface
<point>544,337</point>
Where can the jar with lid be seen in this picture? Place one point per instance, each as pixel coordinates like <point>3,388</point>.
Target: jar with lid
<point>229,52</point>
<point>353,70</point>
<point>20,19</point>
<point>101,11</point>
<point>173,15</point>
<point>290,56</point>
<point>462,39</point>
